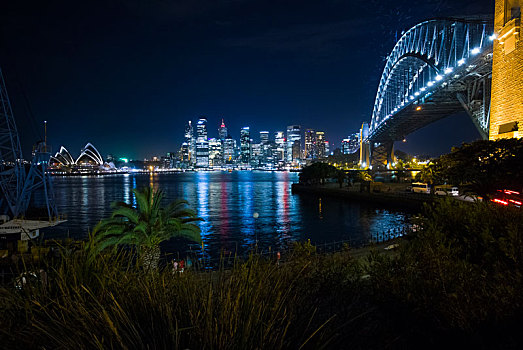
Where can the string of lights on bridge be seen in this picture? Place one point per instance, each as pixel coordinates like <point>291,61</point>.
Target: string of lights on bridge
<point>423,91</point>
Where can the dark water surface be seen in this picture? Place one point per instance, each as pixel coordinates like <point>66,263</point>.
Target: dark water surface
<point>228,202</point>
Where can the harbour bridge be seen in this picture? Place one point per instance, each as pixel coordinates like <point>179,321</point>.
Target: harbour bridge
<point>437,68</point>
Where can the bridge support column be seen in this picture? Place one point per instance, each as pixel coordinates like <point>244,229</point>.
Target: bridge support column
<point>364,146</point>
<point>364,154</point>
<point>383,155</point>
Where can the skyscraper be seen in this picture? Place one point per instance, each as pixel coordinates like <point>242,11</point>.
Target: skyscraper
<point>222,131</point>
<point>351,143</point>
<point>310,142</point>
<point>245,146</point>
<point>256,155</point>
<point>264,137</point>
<point>190,146</point>
<point>265,149</point>
<point>293,135</point>
<point>320,145</point>
<point>229,150</point>
<point>215,152</point>
<point>202,144</point>
<point>279,154</point>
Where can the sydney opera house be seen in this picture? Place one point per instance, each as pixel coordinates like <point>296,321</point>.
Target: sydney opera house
<point>88,161</point>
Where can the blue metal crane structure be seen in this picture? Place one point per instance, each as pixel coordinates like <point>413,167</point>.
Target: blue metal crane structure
<point>19,180</point>
<point>437,68</point>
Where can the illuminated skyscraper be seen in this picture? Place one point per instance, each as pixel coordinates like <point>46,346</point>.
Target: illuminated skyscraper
<point>279,153</point>
<point>320,145</point>
<point>215,152</point>
<point>229,150</point>
<point>350,143</point>
<point>293,143</point>
<point>265,149</point>
<point>190,147</point>
<point>245,146</point>
<point>310,142</point>
<point>184,153</point>
<point>256,155</point>
<point>202,144</point>
<point>222,131</point>
<point>264,137</point>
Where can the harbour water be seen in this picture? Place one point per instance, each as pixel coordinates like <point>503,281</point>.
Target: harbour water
<point>240,209</point>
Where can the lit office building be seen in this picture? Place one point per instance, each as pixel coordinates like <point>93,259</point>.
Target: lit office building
<point>215,152</point>
<point>222,131</point>
<point>350,144</point>
<point>265,149</point>
<point>279,151</point>
<point>185,153</point>
<point>320,145</point>
<point>293,142</point>
<point>202,144</point>
<point>191,143</point>
<point>229,150</point>
<point>245,146</point>
<point>295,151</point>
<point>310,143</point>
<point>264,137</point>
<point>256,155</point>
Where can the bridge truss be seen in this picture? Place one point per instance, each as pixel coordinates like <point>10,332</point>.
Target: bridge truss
<point>437,68</point>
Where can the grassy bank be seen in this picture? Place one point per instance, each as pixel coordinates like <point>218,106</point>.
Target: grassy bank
<point>457,281</point>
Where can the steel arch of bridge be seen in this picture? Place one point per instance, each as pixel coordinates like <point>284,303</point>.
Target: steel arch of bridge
<point>427,58</point>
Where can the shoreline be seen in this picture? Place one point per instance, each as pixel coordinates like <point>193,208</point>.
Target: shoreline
<point>412,201</point>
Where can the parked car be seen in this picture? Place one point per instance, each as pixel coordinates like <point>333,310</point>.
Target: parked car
<point>418,187</point>
<point>446,190</point>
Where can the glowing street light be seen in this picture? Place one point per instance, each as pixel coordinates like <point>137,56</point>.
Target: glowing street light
<point>438,77</point>
<point>475,50</point>
<point>461,62</point>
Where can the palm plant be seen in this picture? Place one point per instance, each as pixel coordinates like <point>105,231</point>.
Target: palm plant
<point>146,225</point>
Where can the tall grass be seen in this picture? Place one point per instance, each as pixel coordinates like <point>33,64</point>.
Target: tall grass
<point>109,303</point>
<point>457,281</point>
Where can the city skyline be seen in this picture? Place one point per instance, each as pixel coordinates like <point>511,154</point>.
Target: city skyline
<point>284,149</point>
<point>79,69</point>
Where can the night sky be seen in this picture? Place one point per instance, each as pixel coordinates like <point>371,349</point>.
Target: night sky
<point>126,75</point>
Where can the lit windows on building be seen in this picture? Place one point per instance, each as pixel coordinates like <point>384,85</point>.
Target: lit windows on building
<point>215,152</point>
<point>310,142</point>
<point>279,152</point>
<point>202,144</point>
<point>319,145</point>
<point>245,146</point>
<point>293,143</point>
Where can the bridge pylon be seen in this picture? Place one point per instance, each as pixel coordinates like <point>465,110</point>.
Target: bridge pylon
<point>364,146</point>
<point>506,116</point>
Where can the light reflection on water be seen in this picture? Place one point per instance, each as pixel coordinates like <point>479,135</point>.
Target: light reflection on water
<point>227,203</point>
